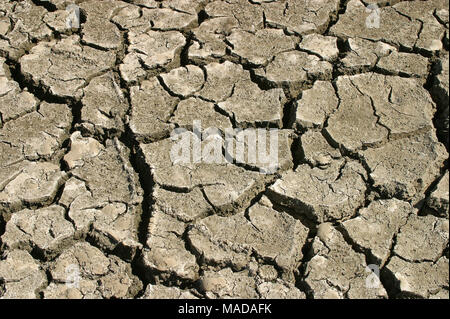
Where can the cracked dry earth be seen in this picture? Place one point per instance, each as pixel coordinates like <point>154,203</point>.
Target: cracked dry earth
<point>86,180</point>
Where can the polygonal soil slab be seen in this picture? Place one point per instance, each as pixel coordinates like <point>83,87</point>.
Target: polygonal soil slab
<point>336,271</point>
<point>270,235</point>
<point>65,67</point>
<point>319,194</point>
<point>83,271</point>
<point>23,281</point>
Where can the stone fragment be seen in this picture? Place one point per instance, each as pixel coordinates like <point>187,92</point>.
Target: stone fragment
<point>196,109</point>
<point>336,271</point>
<point>316,105</point>
<point>320,195</point>
<point>21,276</point>
<point>259,48</point>
<point>310,16</point>
<point>399,63</point>
<point>166,253</point>
<point>84,272</point>
<point>267,273</point>
<point>44,229</point>
<point>271,235</point>
<point>316,150</point>
<point>40,134</point>
<point>363,55</point>
<point>57,21</point>
<point>405,168</point>
<point>419,280</point>
<point>439,197</point>
<point>184,81</point>
<point>65,67</point>
<point>104,106</point>
<point>324,46</point>
<point>423,238</point>
<point>376,107</point>
<point>228,284</point>
<point>151,50</point>
<point>81,149</point>
<point>376,226</point>
<point>30,183</point>
<point>295,70</point>
<point>151,108</point>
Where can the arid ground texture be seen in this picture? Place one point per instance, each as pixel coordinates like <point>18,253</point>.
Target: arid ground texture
<point>92,204</point>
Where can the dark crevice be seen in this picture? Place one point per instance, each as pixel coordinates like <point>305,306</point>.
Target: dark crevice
<point>38,254</point>
<point>387,278</point>
<point>440,97</point>
<point>184,55</point>
<point>2,229</point>
<point>45,4</point>
<point>137,160</point>
<point>261,82</point>
<point>334,18</point>
<point>392,286</point>
<point>308,254</point>
<point>289,111</point>
<point>146,181</point>
<point>298,155</point>
<point>76,115</point>
<point>202,16</point>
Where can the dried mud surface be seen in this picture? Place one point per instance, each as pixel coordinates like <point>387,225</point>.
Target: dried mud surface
<point>87,187</point>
